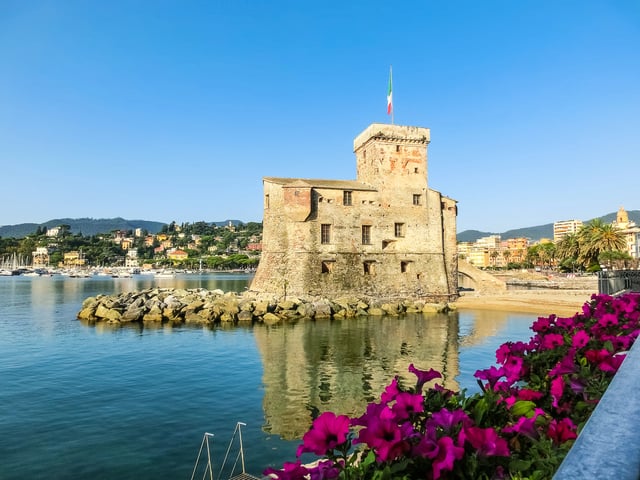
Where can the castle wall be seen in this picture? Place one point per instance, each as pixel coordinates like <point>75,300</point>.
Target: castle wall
<point>389,236</point>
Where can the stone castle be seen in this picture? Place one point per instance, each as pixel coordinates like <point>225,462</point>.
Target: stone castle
<point>384,235</point>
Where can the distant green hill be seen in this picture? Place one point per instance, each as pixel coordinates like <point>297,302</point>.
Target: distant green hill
<point>537,232</point>
<point>86,226</point>
<point>90,226</point>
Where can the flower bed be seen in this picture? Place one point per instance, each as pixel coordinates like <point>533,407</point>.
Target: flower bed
<point>521,424</point>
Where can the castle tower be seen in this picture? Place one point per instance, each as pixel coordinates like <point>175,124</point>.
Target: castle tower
<point>393,159</point>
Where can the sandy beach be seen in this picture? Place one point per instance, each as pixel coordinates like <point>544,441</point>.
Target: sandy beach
<point>564,297</point>
<point>543,302</point>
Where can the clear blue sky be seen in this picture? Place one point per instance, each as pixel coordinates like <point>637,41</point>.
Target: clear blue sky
<point>175,110</point>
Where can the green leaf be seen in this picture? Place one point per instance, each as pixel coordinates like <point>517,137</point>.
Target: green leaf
<point>523,408</point>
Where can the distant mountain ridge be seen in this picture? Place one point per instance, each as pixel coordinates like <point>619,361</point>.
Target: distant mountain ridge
<point>538,232</point>
<point>90,226</point>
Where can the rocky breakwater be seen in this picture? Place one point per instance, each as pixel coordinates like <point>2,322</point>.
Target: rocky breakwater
<point>210,307</point>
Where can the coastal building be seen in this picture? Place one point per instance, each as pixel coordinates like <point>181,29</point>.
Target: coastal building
<point>40,257</point>
<point>565,227</point>
<point>492,251</point>
<point>631,232</point>
<point>385,234</point>
<point>177,255</point>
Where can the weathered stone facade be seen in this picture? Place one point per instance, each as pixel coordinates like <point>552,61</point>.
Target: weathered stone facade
<point>384,235</point>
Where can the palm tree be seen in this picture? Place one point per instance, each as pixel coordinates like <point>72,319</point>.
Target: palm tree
<point>597,237</point>
<point>506,254</point>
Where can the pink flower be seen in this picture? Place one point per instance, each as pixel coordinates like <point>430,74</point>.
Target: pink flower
<point>552,340</point>
<point>386,437</point>
<point>541,325</point>
<point>557,389</point>
<point>564,366</point>
<point>608,320</point>
<point>407,405</point>
<point>447,420</point>
<point>562,431</point>
<point>580,339</point>
<point>326,470</point>
<point>424,376</point>
<point>291,471</point>
<point>390,392</point>
<point>491,375</point>
<point>447,454</point>
<point>513,369</point>
<point>486,442</point>
<point>327,432</point>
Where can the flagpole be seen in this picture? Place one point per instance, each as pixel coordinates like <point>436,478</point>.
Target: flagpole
<point>390,109</point>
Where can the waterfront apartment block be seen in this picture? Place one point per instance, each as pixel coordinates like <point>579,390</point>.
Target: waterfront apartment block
<point>385,234</point>
<point>492,251</point>
<point>565,227</point>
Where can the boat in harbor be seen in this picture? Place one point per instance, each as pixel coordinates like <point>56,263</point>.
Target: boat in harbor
<point>165,274</point>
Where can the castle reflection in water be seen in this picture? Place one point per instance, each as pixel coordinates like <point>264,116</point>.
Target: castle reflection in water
<point>341,365</point>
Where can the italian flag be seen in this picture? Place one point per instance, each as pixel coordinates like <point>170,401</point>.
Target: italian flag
<point>390,94</point>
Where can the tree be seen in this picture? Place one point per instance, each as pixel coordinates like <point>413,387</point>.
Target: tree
<point>506,254</point>
<point>597,237</point>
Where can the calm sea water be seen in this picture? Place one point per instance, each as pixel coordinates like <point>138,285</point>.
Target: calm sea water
<point>98,402</point>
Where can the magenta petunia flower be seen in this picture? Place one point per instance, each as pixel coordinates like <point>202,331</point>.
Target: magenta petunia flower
<point>373,412</point>
<point>562,431</point>
<point>325,470</point>
<point>528,394</point>
<point>447,454</point>
<point>541,325</point>
<point>407,404</point>
<point>390,392</point>
<point>557,389</point>
<point>424,376</point>
<point>486,442</point>
<point>513,369</point>
<point>326,433</point>
<point>565,366</point>
<point>491,375</point>
<point>524,426</point>
<point>608,320</point>
<point>552,340</point>
<point>386,438</point>
<point>580,339</point>
<point>290,471</point>
<point>566,323</point>
<point>447,420</point>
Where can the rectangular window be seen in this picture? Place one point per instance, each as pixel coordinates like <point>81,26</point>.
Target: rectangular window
<point>346,198</point>
<point>325,233</point>
<point>416,199</point>
<point>327,266</point>
<point>369,268</point>
<point>266,201</point>
<point>399,229</point>
<point>404,267</point>
<point>366,234</point>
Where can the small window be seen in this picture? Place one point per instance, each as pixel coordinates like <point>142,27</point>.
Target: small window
<point>404,267</point>
<point>415,170</point>
<point>346,198</point>
<point>325,233</point>
<point>369,268</point>
<point>399,229</point>
<point>366,234</point>
<point>417,199</point>
<point>327,266</point>
<point>397,148</point>
<point>266,201</point>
